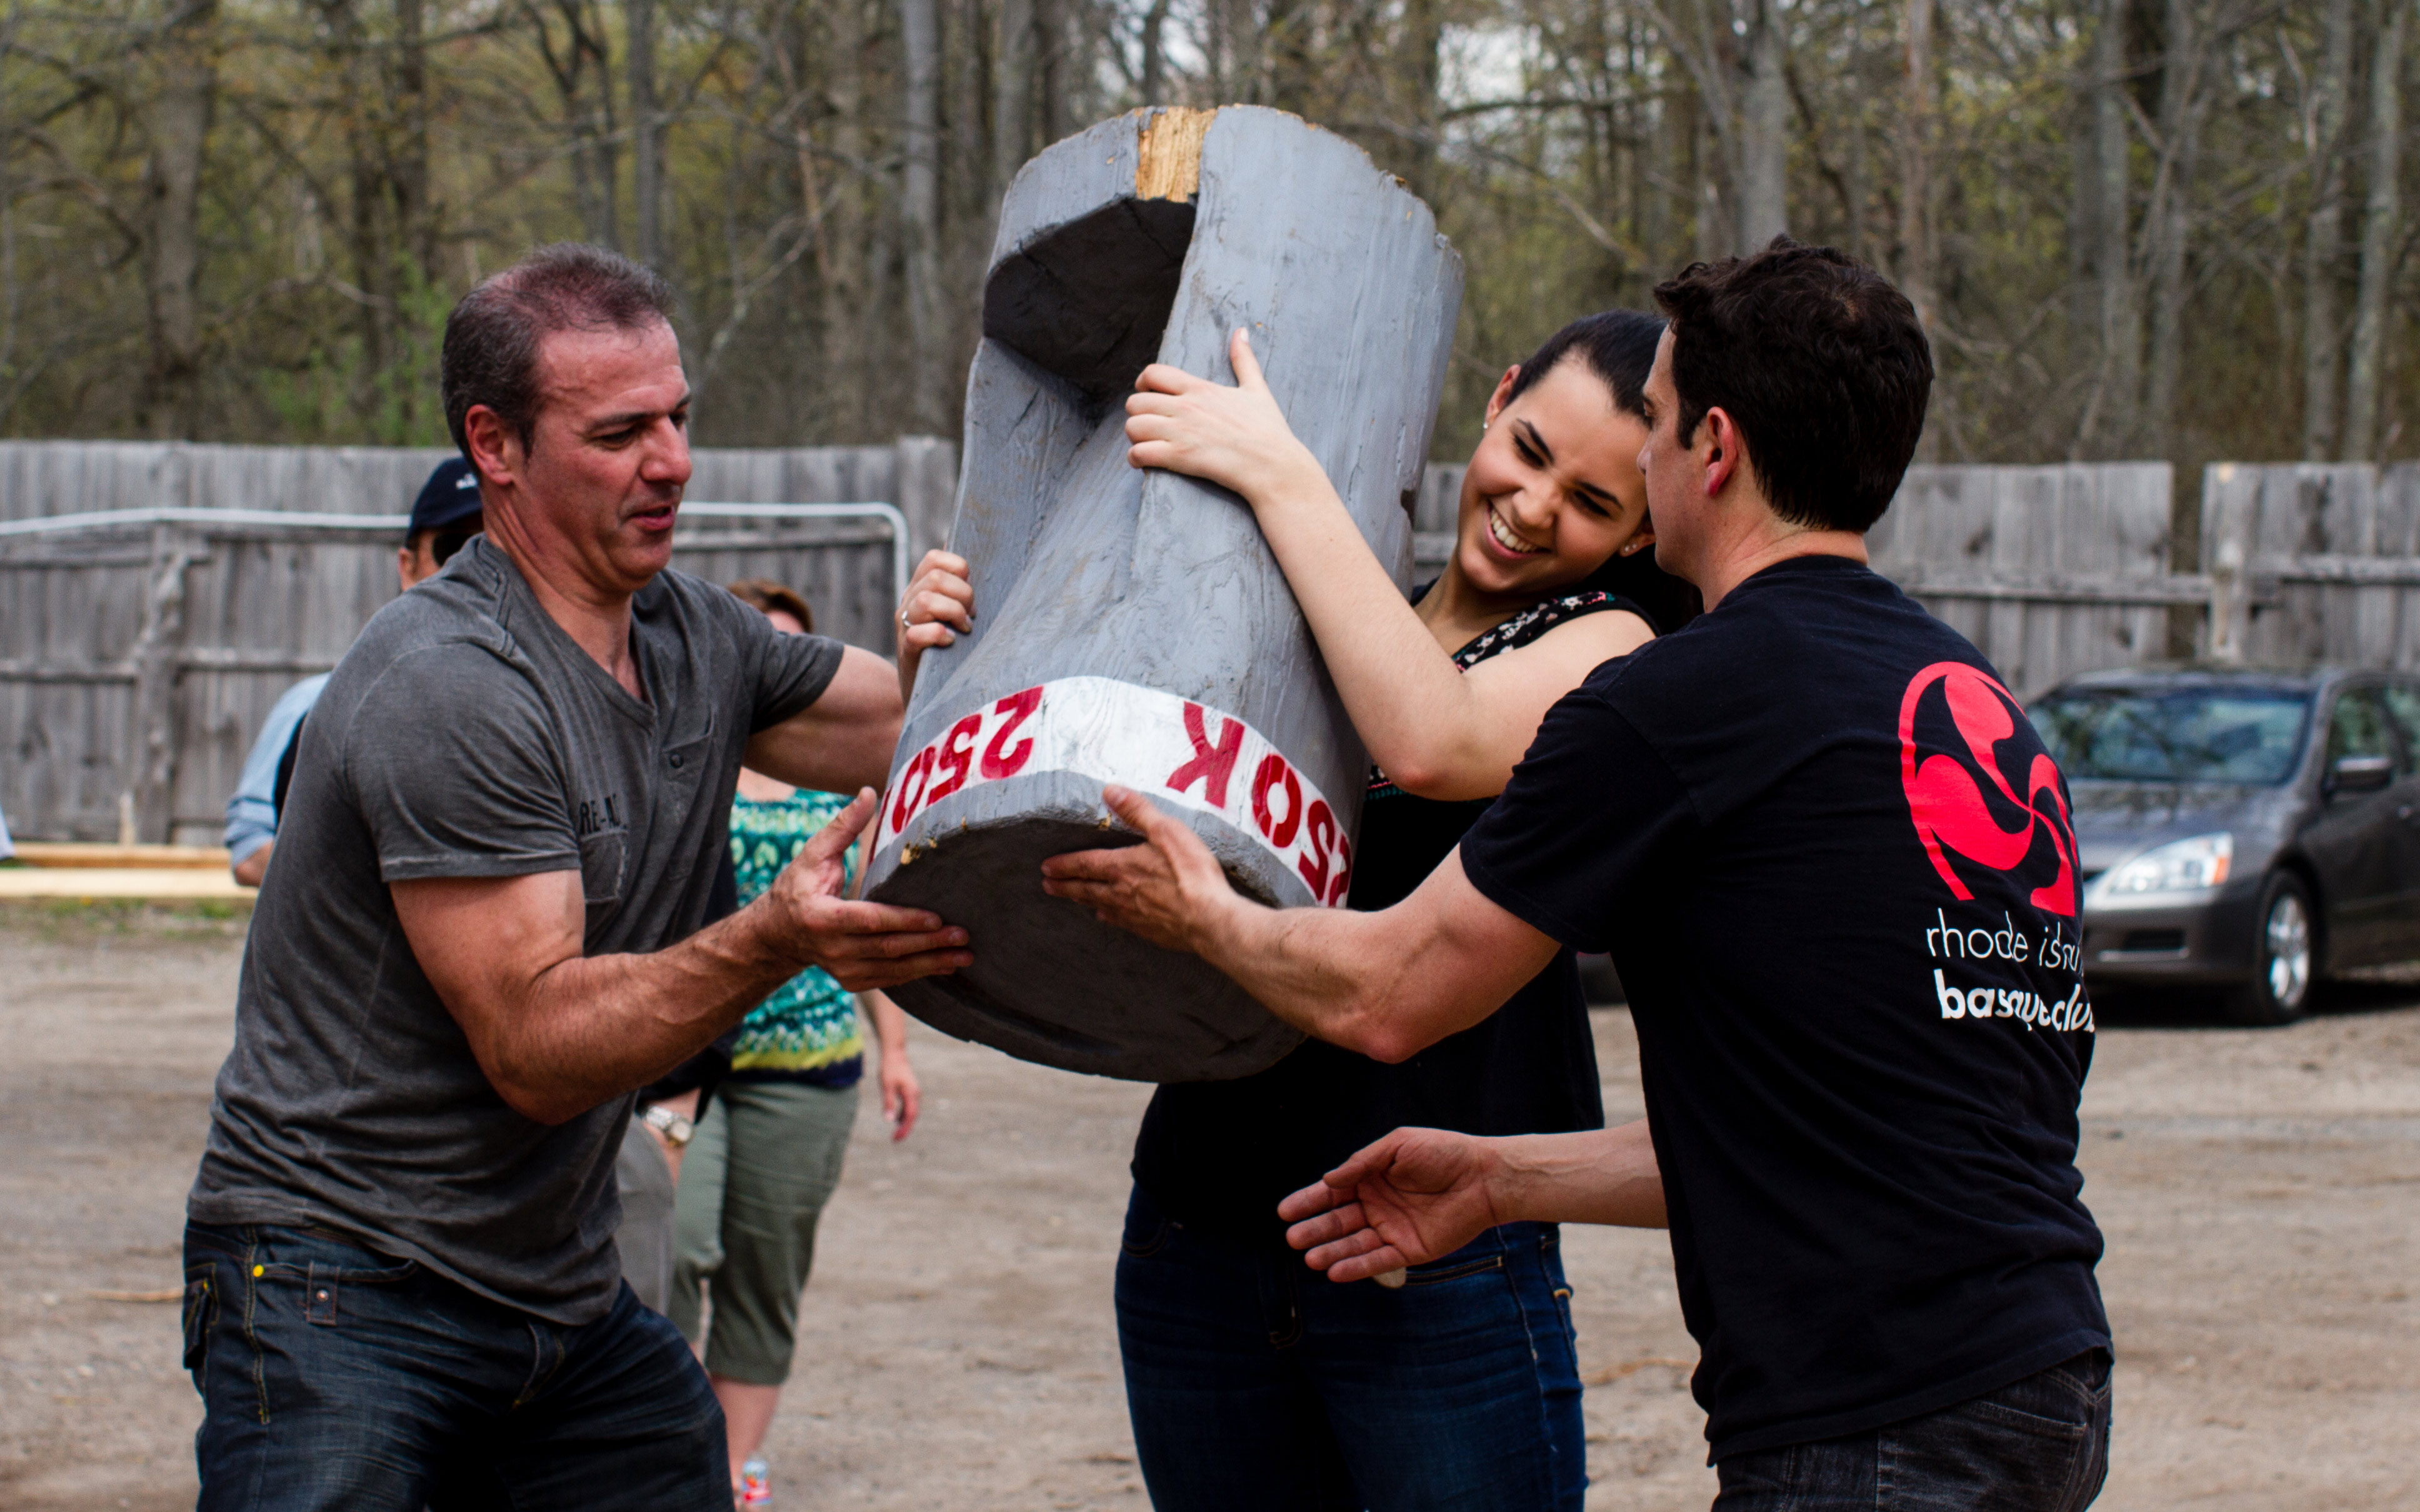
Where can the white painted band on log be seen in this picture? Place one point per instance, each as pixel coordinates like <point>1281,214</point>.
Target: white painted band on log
<point>1174,749</point>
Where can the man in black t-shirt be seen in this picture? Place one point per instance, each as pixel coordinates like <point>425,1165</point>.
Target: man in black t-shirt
<point>1834,865</point>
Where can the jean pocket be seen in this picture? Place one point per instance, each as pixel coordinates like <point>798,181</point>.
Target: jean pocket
<point>1450,1268</point>
<point>201,1311</point>
<point>1145,1240</point>
<point>322,1265</point>
<point>2038,1405</point>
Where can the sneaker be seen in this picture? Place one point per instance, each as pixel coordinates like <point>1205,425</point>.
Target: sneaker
<point>755,1484</point>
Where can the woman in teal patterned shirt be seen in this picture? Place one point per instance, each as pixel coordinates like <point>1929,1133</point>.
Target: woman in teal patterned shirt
<point>767,1154</point>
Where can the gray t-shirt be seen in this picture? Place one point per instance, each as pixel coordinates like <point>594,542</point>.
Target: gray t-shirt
<point>466,735</point>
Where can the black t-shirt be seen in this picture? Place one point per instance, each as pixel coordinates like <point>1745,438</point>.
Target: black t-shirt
<point>1834,865</point>
<point>1222,1154</point>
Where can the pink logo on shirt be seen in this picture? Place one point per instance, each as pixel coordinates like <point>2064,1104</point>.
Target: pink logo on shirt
<point>1952,814</point>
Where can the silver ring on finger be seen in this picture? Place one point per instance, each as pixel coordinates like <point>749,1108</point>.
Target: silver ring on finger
<point>906,624</point>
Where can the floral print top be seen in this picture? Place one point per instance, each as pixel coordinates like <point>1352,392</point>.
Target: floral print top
<point>808,1030</point>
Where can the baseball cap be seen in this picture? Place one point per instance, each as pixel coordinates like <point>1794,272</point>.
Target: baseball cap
<point>449,497</point>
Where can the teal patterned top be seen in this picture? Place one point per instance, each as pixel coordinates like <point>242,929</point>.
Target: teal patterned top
<point>808,1030</point>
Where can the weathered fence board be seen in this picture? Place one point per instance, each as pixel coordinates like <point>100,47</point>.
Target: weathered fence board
<point>2318,560</point>
<point>2049,570</point>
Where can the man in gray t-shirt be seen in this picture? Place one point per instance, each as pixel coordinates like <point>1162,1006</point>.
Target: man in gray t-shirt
<point>483,933</point>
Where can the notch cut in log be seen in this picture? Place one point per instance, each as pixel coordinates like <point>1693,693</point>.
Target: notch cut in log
<point>1087,302</point>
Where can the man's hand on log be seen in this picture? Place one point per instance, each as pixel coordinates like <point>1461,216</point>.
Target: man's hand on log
<point>939,603</point>
<point>1416,1195</point>
<point>1236,438</point>
<point>1167,889</point>
<point>863,945</point>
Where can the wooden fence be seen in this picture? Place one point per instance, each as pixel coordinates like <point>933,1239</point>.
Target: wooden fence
<point>2310,563</point>
<point>135,666</point>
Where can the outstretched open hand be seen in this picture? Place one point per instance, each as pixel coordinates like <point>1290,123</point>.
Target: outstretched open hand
<point>1414,1196</point>
<point>864,945</point>
<point>1165,890</point>
<point>1236,437</point>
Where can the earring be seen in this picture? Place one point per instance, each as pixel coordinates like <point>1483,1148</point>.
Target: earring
<point>1632,549</point>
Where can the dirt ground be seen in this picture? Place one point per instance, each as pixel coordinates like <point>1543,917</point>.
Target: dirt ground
<point>2260,1191</point>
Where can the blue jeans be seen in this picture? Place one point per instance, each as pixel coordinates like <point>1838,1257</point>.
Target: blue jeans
<point>1255,1382</point>
<point>2039,1444</point>
<point>333,1376</point>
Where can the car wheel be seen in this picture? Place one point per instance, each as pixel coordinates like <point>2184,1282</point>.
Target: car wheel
<point>2285,955</point>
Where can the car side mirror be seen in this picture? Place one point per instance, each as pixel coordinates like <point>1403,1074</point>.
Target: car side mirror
<point>2360,773</point>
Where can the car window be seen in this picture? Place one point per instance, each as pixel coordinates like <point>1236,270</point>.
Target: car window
<point>2357,727</point>
<point>2403,707</point>
<point>2192,734</point>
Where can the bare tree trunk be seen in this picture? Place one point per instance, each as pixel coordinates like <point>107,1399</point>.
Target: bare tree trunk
<point>1011,96</point>
<point>1294,71</point>
<point>585,53</point>
<point>2109,420</point>
<point>2171,221</point>
<point>1419,57</point>
<point>1046,120</point>
<point>186,97</point>
<point>1241,44</point>
<point>1714,219</point>
<point>415,210</point>
<point>2379,223</point>
<point>1916,277</point>
<point>2323,243</point>
<point>851,354</point>
<point>646,131</point>
<point>1917,273</point>
<point>1659,169</point>
<point>1155,54</point>
<point>1765,131</point>
<point>919,35</point>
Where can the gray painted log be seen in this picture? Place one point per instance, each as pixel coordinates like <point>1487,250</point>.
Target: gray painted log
<point>1134,626</point>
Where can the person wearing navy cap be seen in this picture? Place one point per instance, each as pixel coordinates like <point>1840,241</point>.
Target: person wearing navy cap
<point>443,519</point>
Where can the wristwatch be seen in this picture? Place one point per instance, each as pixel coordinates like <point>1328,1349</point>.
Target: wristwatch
<point>664,1120</point>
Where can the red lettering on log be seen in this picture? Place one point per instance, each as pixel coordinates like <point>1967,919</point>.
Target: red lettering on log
<point>1210,764</point>
<point>955,757</point>
<point>1320,828</point>
<point>912,789</point>
<point>1344,883</point>
<point>1273,770</point>
<point>1019,707</point>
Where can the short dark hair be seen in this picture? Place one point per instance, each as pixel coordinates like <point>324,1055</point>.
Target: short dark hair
<point>1821,364</point>
<point>491,338</point>
<point>1618,346</point>
<point>764,596</point>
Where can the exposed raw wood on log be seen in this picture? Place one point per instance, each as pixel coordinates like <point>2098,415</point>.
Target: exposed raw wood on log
<point>1168,161</point>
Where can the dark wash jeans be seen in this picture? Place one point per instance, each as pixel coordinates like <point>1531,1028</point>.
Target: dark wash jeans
<point>333,1376</point>
<point>1256,1382</point>
<point>2039,1444</point>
